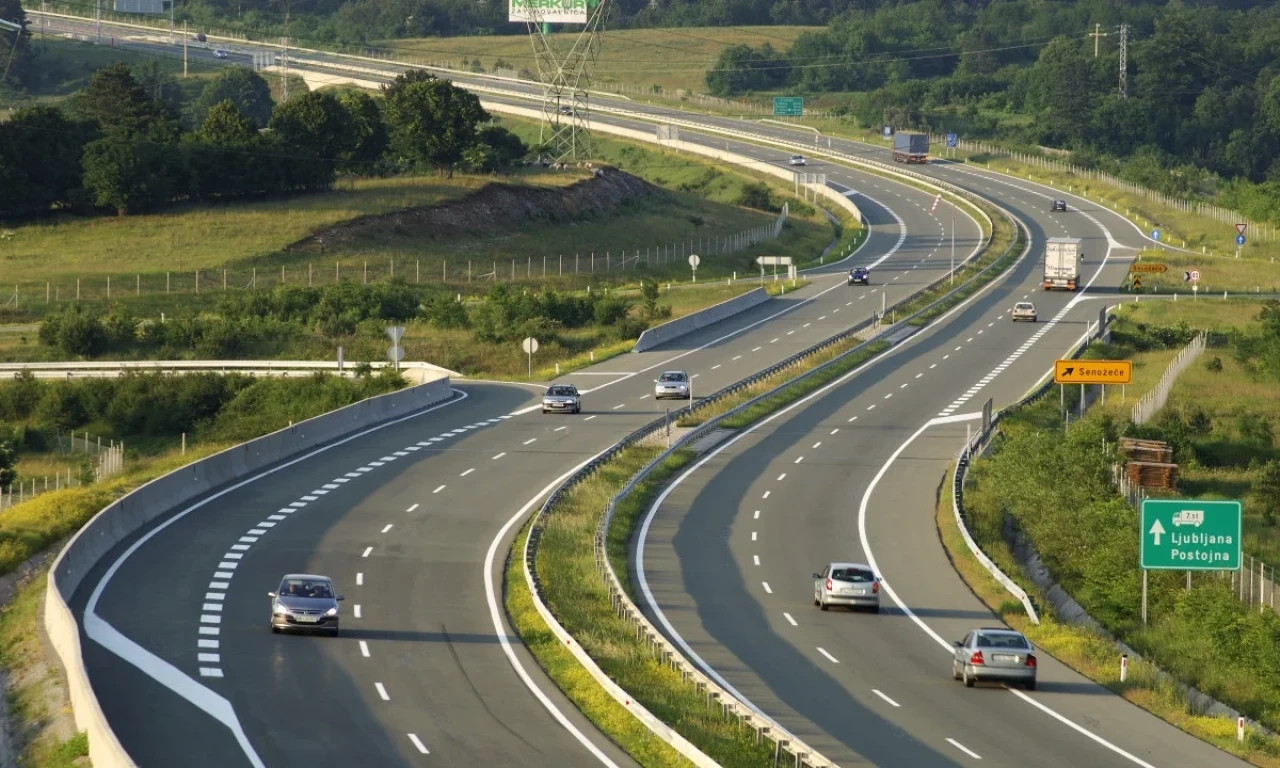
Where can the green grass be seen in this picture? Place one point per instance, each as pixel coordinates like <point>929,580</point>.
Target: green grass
<point>1217,274</point>
<point>639,58</point>
<point>577,596</point>
<point>1086,651</point>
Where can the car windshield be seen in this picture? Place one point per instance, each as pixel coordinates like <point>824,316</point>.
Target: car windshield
<point>562,391</point>
<point>1002,640</point>
<point>305,588</point>
<point>855,575</point>
<point>671,377</point>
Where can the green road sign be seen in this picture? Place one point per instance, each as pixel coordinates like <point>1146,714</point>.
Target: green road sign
<point>1189,535</point>
<point>788,106</point>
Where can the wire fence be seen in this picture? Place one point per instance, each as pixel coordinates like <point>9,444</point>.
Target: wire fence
<point>1151,402</point>
<point>98,461</point>
<point>455,273</point>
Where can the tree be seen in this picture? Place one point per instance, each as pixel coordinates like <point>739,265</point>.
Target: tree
<point>1063,89</point>
<point>432,121</point>
<point>122,107</point>
<point>244,88</point>
<point>224,124</point>
<point>316,122</point>
<point>130,175</point>
<point>742,68</point>
<point>369,132</point>
<point>1268,489</point>
<point>16,57</point>
<point>495,148</point>
<point>8,460</point>
<point>40,151</point>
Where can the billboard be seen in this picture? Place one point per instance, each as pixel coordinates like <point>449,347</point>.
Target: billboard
<point>141,6</point>
<point>551,11</point>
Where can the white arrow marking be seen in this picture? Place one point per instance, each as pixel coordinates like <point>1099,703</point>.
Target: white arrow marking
<point>1157,530</point>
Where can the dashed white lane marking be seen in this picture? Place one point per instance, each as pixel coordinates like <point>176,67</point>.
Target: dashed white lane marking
<point>207,643</point>
<point>886,698</point>
<point>753,535</point>
<point>966,341</point>
<point>382,691</point>
<point>756,516</point>
<point>210,619</point>
<point>837,429</point>
<point>766,494</point>
<point>855,418</point>
<point>644,397</point>
<point>208,630</point>
<point>364,649</point>
<point>806,325</point>
<point>755,559</point>
<point>871,407</point>
<point>418,743</point>
<point>355,611</point>
<point>957,349</point>
<point>739,357</point>
<point>715,366</point>
<point>500,455</point>
<point>559,429</point>
<point>963,748</point>
<point>208,658</point>
<point>918,375</point>
<point>933,365</point>
<point>469,471</point>
<point>360,579</point>
<point>411,508</point>
<point>388,527</point>
<point>767,588</point>
<point>210,672</point>
<point>589,418</point>
<point>773,341</point>
<point>439,489</point>
<point>782,477</point>
<point>790,620</point>
<point>367,551</point>
<point>534,439</point>
<point>757,349</point>
<point>946,356</point>
<point>830,658</point>
<point>799,459</point>
<point>886,397</point>
<point>616,407</point>
<point>904,385</point>
<point>790,332</point>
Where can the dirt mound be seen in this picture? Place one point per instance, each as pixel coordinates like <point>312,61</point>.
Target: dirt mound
<point>494,209</point>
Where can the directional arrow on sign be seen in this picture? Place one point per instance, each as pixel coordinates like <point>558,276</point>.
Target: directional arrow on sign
<point>1157,530</point>
<point>1067,371</point>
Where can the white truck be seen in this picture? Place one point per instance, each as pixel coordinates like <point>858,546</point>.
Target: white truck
<point>1062,259</point>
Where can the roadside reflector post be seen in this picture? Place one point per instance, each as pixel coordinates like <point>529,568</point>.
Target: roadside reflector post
<point>1239,729</point>
<point>1124,667</point>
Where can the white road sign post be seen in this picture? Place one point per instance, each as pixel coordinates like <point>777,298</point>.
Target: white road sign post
<point>395,353</point>
<point>694,261</point>
<point>530,345</point>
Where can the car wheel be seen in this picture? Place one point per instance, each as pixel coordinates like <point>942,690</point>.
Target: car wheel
<point>968,680</point>
<point>275,630</point>
<point>824,605</point>
<point>816,601</point>
<point>955,673</point>
<point>544,411</point>
<point>1031,685</point>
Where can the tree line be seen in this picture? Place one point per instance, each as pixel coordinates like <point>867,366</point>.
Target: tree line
<point>1202,113</point>
<point>119,146</point>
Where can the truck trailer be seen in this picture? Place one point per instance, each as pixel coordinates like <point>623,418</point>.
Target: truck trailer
<point>909,147</point>
<point>1062,259</point>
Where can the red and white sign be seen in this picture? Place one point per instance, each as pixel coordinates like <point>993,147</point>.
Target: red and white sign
<point>1240,228</point>
<point>1195,275</point>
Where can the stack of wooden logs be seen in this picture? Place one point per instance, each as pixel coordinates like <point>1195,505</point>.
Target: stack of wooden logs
<point>1149,463</point>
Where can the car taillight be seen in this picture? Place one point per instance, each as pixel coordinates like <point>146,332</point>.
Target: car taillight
<point>829,587</point>
<point>875,587</point>
<point>976,658</point>
<point>1031,660</point>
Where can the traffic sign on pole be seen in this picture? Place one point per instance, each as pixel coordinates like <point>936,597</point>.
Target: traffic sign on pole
<point>1240,228</point>
<point>1093,372</point>
<point>694,261</point>
<point>788,106</point>
<point>888,132</point>
<point>1195,275</point>
<point>1239,239</point>
<point>530,345</point>
<point>1147,267</point>
<point>952,140</point>
<point>1190,535</point>
<point>1155,235</point>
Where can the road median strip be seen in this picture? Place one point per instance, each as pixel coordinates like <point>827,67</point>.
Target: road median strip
<point>568,557</point>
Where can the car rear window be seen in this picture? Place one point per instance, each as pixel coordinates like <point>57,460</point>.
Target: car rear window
<point>1002,641</point>
<point>855,575</point>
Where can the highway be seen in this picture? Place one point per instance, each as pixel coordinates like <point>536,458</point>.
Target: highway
<point>413,521</point>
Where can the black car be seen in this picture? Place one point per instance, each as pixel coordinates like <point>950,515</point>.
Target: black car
<point>1059,205</point>
<point>859,275</point>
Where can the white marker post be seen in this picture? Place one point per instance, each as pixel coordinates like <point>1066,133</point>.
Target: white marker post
<point>1124,667</point>
<point>1239,729</point>
<point>694,261</point>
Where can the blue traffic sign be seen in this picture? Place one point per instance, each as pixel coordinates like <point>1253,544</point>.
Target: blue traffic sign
<point>952,140</point>
<point>1239,239</point>
<point>888,131</point>
<point>1155,234</point>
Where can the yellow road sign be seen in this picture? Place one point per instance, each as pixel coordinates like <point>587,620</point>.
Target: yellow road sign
<point>1139,267</point>
<point>1093,372</point>
<point>1135,282</point>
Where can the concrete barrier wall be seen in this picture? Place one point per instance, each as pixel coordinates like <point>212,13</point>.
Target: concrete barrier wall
<point>681,326</point>
<point>160,496</point>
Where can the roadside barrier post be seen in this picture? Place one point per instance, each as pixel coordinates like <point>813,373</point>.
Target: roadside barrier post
<point>1124,667</point>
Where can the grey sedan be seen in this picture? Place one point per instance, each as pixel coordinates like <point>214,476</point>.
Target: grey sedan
<point>851,584</point>
<point>305,601</point>
<point>674,384</point>
<point>563,398</point>
<point>994,654</point>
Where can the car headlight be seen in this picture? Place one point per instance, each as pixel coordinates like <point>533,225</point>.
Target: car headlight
<point>332,611</point>
<point>279,610</point>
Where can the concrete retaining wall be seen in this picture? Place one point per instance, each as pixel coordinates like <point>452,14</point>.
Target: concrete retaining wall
<point>158,497</point>
<point>681,326</point>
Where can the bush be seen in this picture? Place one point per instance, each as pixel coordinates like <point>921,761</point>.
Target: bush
<point>757,195</point>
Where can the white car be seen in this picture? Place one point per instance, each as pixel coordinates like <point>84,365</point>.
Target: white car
<point>220,53</point>
<point>673,384</point>
<point>1024,310</point>
<point>797,159</point>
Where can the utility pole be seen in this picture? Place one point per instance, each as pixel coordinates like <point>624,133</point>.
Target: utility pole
<point>1096,34</point>
<point>1124,61</point>
<point>172,4</point>
<point>185,37</point>
<point>284,95</point>
<point>97,23</point>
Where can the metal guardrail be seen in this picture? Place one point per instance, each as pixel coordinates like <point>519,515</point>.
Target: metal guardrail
<point>655,640</point>
<point>980,441</point>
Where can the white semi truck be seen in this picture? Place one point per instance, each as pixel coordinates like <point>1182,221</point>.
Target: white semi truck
<point>1062,259</point>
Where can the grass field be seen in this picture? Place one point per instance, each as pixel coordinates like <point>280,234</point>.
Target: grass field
<point>670,59</point>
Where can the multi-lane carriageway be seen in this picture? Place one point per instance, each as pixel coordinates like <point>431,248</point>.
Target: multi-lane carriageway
<point>413,519</point>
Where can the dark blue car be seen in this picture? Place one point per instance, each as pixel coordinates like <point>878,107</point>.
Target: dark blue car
<point>859,275</point>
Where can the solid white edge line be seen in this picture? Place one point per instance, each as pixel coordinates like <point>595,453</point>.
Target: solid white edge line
<point>418,743</point>
<point>963,748</point>
<point>496,616</point>
<point>216,706</point>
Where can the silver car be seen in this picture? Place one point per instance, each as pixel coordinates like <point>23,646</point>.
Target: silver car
<point>994,654</point>
<point>673,384</point>
<point>1024,310</point>
<point>851,584</point>
<point>305,601</point>
<point>562,398</point>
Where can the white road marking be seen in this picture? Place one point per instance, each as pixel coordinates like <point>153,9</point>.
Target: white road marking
<point>767,588</point>
<point>364,649</point>
<point>904,384</point>
<point>837,429</point>
<point>208,658</point>
<point>886,397</point>
<point>559,429</point>
<point>367,551</point>
<point>215,595</point>
<point>439,489</point>
<point>757,349</point>
<point>219,584</point>
<point>589,418</point>
<point>644,397</point>
<point>384,530</point>
<point>413,507</point>
<point>469,471</point>
<point>782,476</point>
<point>210,672</point>
<point>886,698</point>
<point>755,559</point>
<point>773,341</point>
<point>534,439</point>
<point>766,495</point>
<point>830,658</point>
<point>871,407</point>
<point>790,620</point>
<point>739,357</point>
<point>963,748</point>
<point>355,611</point>
<point>756,516</point>
<point>799,459</point>
<point>495,458</point>
<point>616,407</point>
<point>210,619</point>
<point>360,579</point>
<point>418,743</point>
<point>382,691</point>
<point>714,367</point>
<point>855,418</point>
<point>209,630</point>
<point>815,445</point>
<point>207,643</point>
<point>753,535</point>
